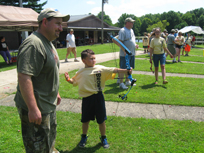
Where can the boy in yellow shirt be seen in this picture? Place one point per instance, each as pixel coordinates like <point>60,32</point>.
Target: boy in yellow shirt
<point>91,81</point>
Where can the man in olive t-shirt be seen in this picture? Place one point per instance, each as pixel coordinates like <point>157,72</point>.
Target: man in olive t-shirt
<point>38,83</point>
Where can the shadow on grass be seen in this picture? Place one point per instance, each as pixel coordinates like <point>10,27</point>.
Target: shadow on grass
<point>83,150</point>
<point>152,85</point>
<point>167,62</point>
<point>114,89</point>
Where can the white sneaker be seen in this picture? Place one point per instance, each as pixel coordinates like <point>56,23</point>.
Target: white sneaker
<point>128,83</point>
<point>122,85</point>
<point>66,60</point>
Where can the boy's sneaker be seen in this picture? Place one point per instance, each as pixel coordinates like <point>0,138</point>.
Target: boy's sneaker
<point>128,83</point>
<point>122,86</point>
<point>179,60</point>
<point>104,142</point>
<point>66,60</point>
<point>82,143</point>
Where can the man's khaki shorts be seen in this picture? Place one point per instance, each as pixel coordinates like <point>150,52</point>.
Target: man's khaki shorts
<point>72,49</point>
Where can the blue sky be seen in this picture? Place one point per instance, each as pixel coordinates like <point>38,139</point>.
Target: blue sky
<point>115,8</point>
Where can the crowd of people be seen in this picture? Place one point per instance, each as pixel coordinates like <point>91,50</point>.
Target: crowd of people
<point>175,40</point>
<point>157,42</point>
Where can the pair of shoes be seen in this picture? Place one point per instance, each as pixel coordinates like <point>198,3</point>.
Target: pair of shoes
<point>156,82</point>
<point>104,142</point>
<point>123,86</point>
<point>82,143</point>
<point>174,61</point>
<point>165,82</point>
<point>55,151</point>
<point>128,83</point>
<point>179,60</point>
<point>118,81</point>
<point>186,55</point>
<point>66,60</point>
<point>76,60</point>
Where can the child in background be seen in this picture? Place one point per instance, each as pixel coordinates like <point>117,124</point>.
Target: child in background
<point>91,81</point>
<point>145,41</point>
<point>188,45</point>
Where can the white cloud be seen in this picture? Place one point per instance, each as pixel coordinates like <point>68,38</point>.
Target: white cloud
<point>90,2</point>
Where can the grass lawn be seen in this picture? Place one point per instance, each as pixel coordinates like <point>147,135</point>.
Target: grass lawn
<point>195,55</point>
<point>124,134</point>
<point>179,91</point>
<point>186,68</point>
<point>4,66</point>
<point>97,48</point>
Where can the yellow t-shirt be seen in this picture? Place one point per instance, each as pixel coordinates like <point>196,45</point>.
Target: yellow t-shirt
<point>158,45</point>
<point>145,41</point>
<point>91,80</point>
<point>181,40</point>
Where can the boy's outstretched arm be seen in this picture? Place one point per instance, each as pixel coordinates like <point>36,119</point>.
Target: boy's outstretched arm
<point>117,70</point>
<point>67,78</point>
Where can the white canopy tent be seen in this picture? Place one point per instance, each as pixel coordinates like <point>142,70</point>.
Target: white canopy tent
<point>195,29</point>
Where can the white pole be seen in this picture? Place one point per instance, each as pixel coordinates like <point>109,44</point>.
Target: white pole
<point>102,23</point>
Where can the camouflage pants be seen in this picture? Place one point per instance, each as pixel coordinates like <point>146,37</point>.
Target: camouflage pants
<point>38,138</point>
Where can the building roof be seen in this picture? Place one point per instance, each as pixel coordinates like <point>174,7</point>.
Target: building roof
<point>89,22</point>
<point>74,18</point>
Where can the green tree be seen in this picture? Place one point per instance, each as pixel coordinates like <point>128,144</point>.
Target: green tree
<point>26,3</point>
<point>106,18</point>
<point>145,23</point>
<point>198,12</point>
<point>173,18</point>
<point>181,25</point>
<point>161,24</point>
<point>136,26</point>
<point>201,21</point>
<point>189,18</point>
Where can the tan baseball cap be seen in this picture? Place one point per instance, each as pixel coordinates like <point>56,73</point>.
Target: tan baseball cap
<point>71,30</point>
<point>173,30</point>
<point>50,12</point>
<point>129,20</point>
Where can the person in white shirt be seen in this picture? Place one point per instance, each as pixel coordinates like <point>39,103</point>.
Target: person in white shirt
<point>71,47</point>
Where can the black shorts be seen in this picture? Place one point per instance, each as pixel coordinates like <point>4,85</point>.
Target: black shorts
<point>94,107</point>
<point>179,46</point>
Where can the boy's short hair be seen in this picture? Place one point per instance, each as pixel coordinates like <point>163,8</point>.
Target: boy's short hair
<point>86,52</point>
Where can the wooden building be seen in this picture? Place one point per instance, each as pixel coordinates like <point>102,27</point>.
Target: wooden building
<point>87,29</point>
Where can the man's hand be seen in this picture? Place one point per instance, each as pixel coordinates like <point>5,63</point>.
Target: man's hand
<point>34,116</point>
<point>58,99</point>
<point>137,46</point>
